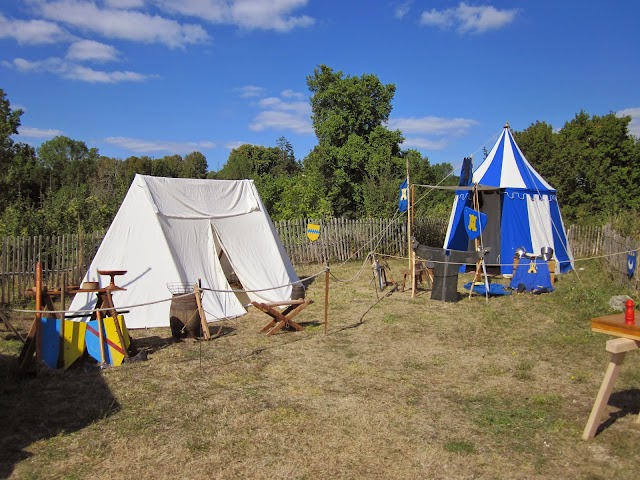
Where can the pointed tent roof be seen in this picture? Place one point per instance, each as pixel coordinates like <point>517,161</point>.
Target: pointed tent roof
<point>506,167</point>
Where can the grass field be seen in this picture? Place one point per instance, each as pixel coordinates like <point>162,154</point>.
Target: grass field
<point>401,387</point>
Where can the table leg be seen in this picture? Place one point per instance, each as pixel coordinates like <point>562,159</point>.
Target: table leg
<point>109,303</point>
<point>603,395</point>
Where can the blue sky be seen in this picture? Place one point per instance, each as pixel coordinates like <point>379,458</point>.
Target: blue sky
<point>157,77</point>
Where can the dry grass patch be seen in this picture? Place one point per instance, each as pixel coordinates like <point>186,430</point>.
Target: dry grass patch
<point>399,388</point>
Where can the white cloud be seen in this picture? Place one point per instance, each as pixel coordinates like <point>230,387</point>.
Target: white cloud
<point>634,125</point>
<point>124,4</point>
<point>251,91</point>
<point>31,32</point>
<point>283,114</point>
<point>292,94</point>
<point>424,144</point>
<point>421,127</point>
<point>85,74</point>
<point>403,9</point>
<point>83,50</point>
<point>237,144</point>
<point>163,146</point>
<point>33,132</point>
<point>122,24</point>
<point>432,125</point>
<point>468,18</point>
<point>250,14</point>
<point>73,71</point>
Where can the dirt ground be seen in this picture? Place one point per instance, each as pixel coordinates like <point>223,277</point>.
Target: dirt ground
<point>399,387</point>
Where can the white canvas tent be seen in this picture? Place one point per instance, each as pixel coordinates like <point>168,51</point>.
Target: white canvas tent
<point>173,230</point>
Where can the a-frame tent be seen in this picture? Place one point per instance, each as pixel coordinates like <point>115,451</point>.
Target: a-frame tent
<point>521,208</point>
<point>179,231</point>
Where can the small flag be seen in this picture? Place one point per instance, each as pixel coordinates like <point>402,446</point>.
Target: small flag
<point>403,198</point>
<point>466,173</point>
<point>313,231</point>
<point>474,222</point>
<point>631,263</point>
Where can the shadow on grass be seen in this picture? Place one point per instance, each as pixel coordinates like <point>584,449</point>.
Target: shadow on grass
<point>34,408</point>
<point>628,403</point>
<point>307,281</point>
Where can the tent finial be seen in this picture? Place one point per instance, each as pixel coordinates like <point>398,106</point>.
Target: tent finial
<point>506,125</point>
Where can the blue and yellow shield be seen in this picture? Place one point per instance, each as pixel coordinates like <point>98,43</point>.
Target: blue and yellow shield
<point>313,231</point>
<point>474,222</point>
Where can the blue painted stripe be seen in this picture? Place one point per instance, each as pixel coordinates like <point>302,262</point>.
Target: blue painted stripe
<point>493,175</point>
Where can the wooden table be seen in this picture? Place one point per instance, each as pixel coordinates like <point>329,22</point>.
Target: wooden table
<point>282,318</point>
<point>629,340</point>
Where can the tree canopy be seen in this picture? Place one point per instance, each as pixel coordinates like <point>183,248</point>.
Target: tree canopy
<point>592,162</point>
<point>355,169</point>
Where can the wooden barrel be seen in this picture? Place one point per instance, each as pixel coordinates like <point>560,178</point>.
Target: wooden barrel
<point>184,317</point>
<point>297,291</point>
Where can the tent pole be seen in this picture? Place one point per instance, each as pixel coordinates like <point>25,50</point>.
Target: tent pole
<point>412,255</point>
<point>409,243</point>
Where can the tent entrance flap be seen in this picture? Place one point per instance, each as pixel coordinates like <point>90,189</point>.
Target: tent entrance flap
<point>491,206</point>
<point>227,268</point>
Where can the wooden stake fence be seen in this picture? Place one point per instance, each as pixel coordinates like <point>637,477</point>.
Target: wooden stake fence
<point>340,240</point>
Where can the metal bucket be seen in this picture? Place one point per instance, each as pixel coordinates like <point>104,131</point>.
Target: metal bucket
<point>184,317</point>
<point>546,253</point>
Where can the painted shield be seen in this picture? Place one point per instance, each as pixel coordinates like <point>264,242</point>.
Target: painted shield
<point>74,334</point>
<point>112,347</point>
<point>631,263</point>
<point>474,222</point>
<point>313,231</point>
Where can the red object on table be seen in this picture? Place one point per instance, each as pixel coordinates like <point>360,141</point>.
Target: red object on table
<point>629,313</point>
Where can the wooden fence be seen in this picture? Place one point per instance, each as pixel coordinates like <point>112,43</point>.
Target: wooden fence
<point>606,243</point>
<point>343,239</point>
<point>65,258</point>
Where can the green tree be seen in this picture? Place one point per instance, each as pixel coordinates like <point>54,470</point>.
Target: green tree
<point>537,142</point>
<point>195,165</point>
<point>17,160</point>
<point>592,162</point>
<point>287,163</point>
<point>343,106</point>
<point>66,163</point>
<point>249,161</point>
<point>356,153</point>
<point>9,123</point>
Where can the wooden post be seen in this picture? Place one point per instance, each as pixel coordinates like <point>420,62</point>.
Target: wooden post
<point>203,320</point>
<point>412,256</point>
<point>326,298</point>
<point>63,308</point>
<point>409,243</point>
<point>38,314</point>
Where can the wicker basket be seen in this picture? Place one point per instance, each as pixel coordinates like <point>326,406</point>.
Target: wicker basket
<point>179,288</point>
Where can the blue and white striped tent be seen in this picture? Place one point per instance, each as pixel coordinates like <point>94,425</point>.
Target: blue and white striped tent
<point>521,207</point>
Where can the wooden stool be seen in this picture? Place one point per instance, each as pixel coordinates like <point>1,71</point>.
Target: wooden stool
<point>283,318</point>
<point>423,273</point>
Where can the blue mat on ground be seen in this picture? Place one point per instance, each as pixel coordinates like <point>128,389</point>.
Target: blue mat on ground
<point>494,289</point>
